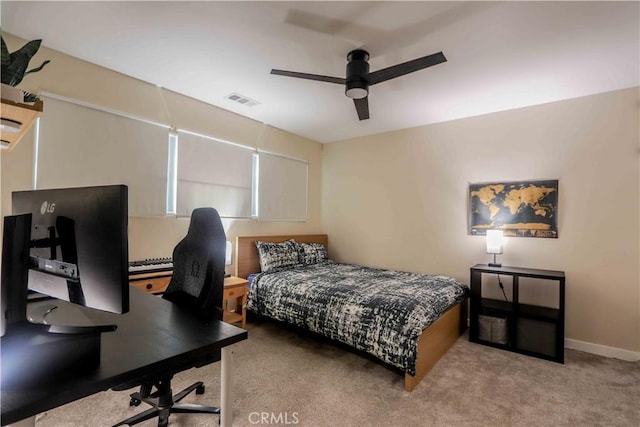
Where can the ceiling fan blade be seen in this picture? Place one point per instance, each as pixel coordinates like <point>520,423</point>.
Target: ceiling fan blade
<point>405,68</point>
<point>362,107</point>
<point>317,77</point>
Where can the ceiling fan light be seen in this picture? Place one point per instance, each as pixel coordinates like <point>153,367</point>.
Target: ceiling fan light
<point>357,89</point>
<point>357,93</point>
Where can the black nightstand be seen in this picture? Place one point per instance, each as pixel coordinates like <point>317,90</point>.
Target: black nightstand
<point>523,328</point>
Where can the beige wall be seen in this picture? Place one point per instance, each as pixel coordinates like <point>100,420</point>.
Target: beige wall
<point>156,237</point>
<point>399,200</point>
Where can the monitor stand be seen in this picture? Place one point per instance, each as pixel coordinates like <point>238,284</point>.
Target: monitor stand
<point>33,352</point>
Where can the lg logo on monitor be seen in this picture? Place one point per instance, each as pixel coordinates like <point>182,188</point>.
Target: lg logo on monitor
<point>47,207</point>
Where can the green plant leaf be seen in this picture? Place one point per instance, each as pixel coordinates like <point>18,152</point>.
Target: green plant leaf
<point>6,58</point>
<point>35,70</point>
<point>30,97</point>
<point>14,70</point>
<point>13,74</point>
<point>29,49</point>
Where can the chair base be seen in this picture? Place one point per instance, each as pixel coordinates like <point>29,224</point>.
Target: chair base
<point>164,404</point>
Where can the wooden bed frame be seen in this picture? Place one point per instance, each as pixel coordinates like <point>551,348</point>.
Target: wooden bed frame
<point>434,341</point>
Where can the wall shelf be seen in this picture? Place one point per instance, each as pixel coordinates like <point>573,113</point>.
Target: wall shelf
<point>24,114</point>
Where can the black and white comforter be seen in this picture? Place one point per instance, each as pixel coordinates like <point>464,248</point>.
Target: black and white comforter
<point>381,312</point>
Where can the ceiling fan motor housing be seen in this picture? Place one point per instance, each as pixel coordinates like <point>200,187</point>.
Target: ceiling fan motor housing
<point>356,86</point>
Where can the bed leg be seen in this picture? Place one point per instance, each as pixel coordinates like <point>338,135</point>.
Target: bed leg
<point>410,382</point>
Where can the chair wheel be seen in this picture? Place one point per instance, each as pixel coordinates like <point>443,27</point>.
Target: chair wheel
<point>200,389</point>
<point>134,402</point>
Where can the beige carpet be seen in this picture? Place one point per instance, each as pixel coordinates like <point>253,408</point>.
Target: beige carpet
<point>285,378</point>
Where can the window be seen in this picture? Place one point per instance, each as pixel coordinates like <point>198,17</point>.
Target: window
<point>81,145</point>
<point>213,173</point>
<point>172,174</point>
<point>167,171</point>
<point>281,193</point>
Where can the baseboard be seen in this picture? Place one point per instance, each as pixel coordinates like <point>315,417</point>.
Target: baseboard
<point>602,350</point>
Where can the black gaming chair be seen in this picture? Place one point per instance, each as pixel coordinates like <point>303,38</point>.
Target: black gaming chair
<point>197,285</point>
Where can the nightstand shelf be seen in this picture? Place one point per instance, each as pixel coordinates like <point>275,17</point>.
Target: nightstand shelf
<point>235,289</point>
<point>511,325</point>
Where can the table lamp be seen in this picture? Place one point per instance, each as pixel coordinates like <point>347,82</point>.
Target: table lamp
<point>494,245</point>
<point>227,259</point>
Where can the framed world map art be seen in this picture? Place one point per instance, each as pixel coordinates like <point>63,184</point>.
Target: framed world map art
<point>523,209</point>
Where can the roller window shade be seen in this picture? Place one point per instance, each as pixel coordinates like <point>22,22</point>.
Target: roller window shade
<point>214,174</point>
<point>282,188</point>
<point>82,146</point>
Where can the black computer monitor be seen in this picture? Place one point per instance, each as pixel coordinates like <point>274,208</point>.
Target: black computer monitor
<point>79,250</point>
<point>69,244</point>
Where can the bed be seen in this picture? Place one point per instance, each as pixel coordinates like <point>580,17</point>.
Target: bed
<point>299,296</point>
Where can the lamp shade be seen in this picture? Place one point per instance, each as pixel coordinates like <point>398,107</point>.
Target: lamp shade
<point>494,241</point>
<point>227,260</point>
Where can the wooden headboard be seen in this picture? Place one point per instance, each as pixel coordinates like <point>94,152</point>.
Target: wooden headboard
<point>246,257</point>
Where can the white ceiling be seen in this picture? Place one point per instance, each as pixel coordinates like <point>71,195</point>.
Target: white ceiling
<point>501,55</point>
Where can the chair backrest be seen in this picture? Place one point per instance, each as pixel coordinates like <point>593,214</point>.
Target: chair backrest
<point>197,282</point>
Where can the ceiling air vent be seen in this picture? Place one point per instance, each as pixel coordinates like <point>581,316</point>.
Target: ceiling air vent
<point>240,99</point>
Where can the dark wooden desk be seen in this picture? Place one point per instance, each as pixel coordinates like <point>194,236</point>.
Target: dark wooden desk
<point>155,336</point>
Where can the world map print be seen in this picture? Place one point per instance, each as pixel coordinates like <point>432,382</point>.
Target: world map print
<point>523,209</point>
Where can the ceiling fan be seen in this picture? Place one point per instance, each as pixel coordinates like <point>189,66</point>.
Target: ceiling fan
<point>359,78</point>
